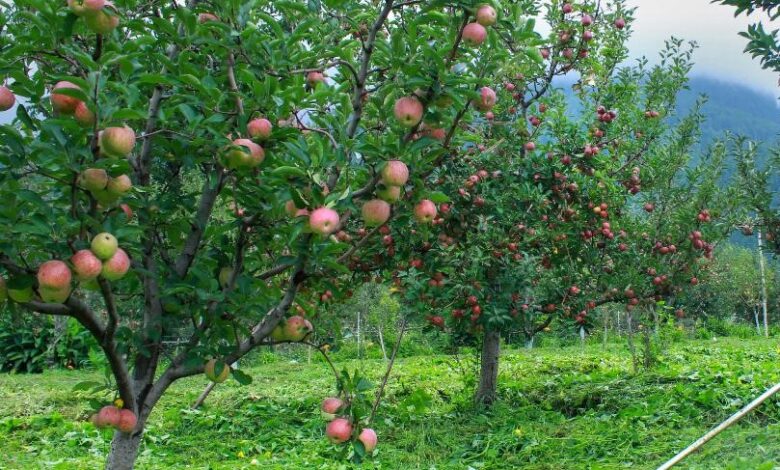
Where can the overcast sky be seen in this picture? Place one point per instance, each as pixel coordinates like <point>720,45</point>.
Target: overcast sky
<point>714,27</point>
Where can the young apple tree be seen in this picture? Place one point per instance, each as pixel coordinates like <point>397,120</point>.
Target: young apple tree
<point>539,216</point>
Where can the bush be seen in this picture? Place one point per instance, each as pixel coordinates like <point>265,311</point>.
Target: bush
<point>31,344</point>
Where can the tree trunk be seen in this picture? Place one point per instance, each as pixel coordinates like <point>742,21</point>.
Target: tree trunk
<point>629,321</point>
<point>124,451</point>
<point>358,335</point>
<point>606,330</point>
<point>529,344</point>
<point>755,315</point>
<point>488,374</point>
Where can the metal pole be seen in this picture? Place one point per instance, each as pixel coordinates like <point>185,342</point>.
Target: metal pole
<point>763,282</point>
<point>719,428</point>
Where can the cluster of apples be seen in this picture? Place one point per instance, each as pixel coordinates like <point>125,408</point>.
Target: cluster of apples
<point>121,419</point>
<point>104,258</point>
<point>475,33</point>
<point>340,429</point>
<point>104,188</point>
<point>100,16</point>
<point>246,153</point>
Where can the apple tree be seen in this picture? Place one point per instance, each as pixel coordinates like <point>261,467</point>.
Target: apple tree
<point>191,170</point>
<point>549,213</point>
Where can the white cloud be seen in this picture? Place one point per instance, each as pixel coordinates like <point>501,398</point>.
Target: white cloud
<point>713,27</point>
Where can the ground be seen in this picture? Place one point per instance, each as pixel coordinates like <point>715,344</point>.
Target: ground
<point>570,408</point>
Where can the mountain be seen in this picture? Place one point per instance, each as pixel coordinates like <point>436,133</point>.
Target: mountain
<point>735,108</point>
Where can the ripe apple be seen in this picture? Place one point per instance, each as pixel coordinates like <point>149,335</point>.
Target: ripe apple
<point>620,23</point>
<point>375,212</point>
<point>107,416</point>
<point>425,211</point>
<point>487,99</point>
<point>339,430</point>
<point>86,7</point>
<point>93,179</point>
<point>260,128</point>
<point>120,185</point>
<point>486,15</point>
<point>324,221</point>
<point>244,154</point>
<point>409,111</point>
<point>83,115</point>
<point>117,141</point>
<point>330,406</point>
<point>86,265</point>
<point>101,22</point>
<point>7,99</point>
<point>567,8</point>
<point>62,103</point>
<point>296,328</point>
<point>54,275</point>
<point>395,173</point>
<point>587,20</point>
<point>127,421</point>
<point>216,371</point>
<point>368,438</point>
<point>117,266</point>
<point>104,245</point>
<point>474,34</point>
<point>206,17</point>
<point>315,78</point>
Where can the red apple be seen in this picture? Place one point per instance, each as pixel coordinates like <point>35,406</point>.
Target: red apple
<point>409,111</point>
<point>86,265</point>
<point>117,266</point>
<point>474,34</point>
<point>61,103</point>
<point>331,406</point>
<point>486,15</point>
<point>127,421</point>
<point>324,221</point>
<point>107,416</point>
<point>339,430</point>
<point>54,275</point>
<point>375,212</point>
<point>7,99</point>
<point>425,211</point>
<point>260,128</point>
<point>117,141</point>
<point>395,173</point>
<point>368,438</point>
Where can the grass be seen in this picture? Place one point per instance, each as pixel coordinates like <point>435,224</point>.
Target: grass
<point>570,408</point>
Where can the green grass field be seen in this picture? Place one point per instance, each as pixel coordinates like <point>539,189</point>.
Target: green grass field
<point>571,408</point>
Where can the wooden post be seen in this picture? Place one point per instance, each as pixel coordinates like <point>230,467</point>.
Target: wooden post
<point>719,428</point>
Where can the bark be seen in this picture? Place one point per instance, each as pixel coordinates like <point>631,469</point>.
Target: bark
<point>488,374</point>
<point>124,451</point>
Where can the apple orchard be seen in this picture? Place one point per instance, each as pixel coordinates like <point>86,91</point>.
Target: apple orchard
<point>221,171</point>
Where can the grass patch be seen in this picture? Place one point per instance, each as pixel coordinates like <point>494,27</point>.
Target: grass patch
<point>565,408</point>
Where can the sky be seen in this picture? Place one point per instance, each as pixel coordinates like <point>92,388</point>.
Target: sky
<point>713,27</point>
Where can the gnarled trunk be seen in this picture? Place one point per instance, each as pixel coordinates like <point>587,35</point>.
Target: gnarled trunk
<point>488,374</point>
<point>124,450</point>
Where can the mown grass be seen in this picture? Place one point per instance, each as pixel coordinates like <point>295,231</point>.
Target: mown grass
<point>571,408</point>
